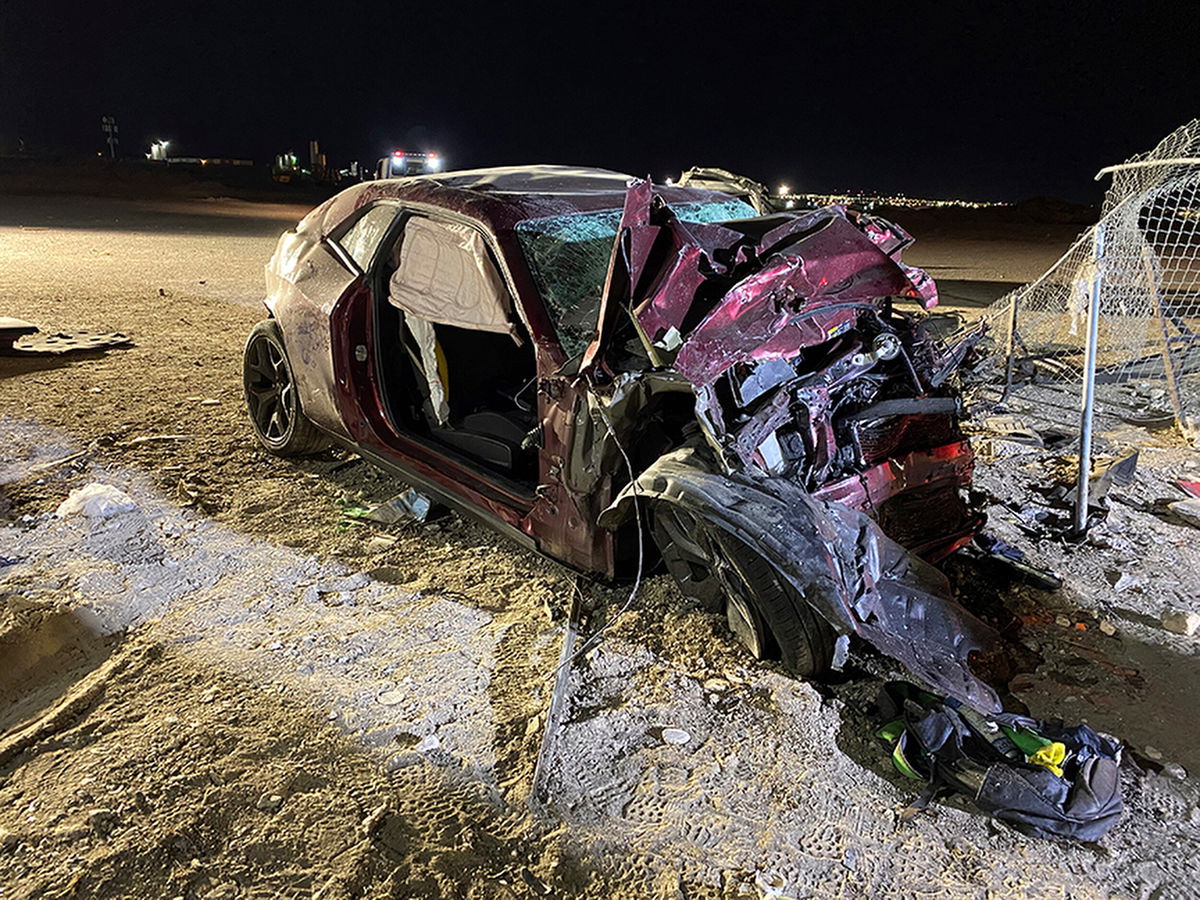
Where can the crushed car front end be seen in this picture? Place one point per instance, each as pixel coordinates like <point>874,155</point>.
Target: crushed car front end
<point>826,442</point>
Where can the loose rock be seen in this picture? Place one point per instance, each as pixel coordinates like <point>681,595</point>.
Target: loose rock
<point>1180,621</point>
<point>269,803</point>
<point>96,501</point>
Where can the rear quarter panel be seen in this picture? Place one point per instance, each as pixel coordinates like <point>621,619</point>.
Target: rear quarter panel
<point>304,281</point>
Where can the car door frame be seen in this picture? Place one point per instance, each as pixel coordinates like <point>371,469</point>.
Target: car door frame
<point>551,519</point>
<point>354,325</point>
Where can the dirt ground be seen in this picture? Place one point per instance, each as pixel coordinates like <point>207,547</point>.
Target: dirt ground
<point>233,690</point>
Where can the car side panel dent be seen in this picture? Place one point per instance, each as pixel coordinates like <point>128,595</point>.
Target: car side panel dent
<point>839,560</point>
<point>304,281</point>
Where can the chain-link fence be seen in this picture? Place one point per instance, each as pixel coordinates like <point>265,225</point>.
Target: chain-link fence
<point>1139,267</point>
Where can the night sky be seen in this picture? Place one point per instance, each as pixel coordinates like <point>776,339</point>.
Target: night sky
<point>988,101</point>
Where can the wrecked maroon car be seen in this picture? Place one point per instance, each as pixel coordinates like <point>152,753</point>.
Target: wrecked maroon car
<point>578,358</point>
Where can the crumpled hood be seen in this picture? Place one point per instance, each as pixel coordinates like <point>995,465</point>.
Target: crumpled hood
<point>783,290</point>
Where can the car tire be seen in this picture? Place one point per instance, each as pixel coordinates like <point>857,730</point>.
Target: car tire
<point>763,610</point>
<point>762,606</point>
<point>687,554</point>
<point>271,399</point>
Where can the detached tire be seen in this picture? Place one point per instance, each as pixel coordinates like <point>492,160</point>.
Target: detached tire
<point>271,399</point>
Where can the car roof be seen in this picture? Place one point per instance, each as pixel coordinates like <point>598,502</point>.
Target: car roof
<point>504,196</point>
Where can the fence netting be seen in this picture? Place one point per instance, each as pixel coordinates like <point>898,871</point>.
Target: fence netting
<point>1143,256</point>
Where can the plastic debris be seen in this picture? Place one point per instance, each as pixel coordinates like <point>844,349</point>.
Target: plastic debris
<point>1118,472</point>
<point>407,506</point>
<point>64,342</point>
<point>1014,429</point>
<point>96,501</point>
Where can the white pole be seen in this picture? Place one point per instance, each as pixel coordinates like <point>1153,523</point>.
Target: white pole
<point>1089,389</point>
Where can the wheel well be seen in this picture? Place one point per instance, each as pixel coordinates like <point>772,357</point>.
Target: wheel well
<point>667,422</point>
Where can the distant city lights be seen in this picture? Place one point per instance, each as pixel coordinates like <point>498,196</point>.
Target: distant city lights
<point>867,201</point>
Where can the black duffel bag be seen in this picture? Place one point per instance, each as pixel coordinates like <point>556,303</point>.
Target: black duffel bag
<point>1042,778</point>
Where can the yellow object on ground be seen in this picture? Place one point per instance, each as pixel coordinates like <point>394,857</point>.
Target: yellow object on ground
<point>1051,756</point>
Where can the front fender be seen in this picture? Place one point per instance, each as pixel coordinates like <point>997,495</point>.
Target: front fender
<point>839,560</point>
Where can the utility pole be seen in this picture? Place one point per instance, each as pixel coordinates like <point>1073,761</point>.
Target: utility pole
<point>109,126</point>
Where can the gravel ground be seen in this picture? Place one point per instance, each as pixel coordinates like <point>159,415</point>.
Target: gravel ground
<point>232,690</point>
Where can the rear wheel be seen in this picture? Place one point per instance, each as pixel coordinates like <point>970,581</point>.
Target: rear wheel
<point>763,610</point>
<point>271,398</point>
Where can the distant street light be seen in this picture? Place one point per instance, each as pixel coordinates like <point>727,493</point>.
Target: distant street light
<point>158,150</point>
<point>784,190</point>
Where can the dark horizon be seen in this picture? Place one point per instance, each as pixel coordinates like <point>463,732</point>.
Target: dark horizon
<point>931,103</point>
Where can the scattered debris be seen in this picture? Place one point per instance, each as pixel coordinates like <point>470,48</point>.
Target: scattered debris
<point>1187,510</point>
<point>427,743</point>
<point>18,337</point>
<point>1009,436</point>
<point>1192,488</point>
<point>381,542</point>
<point>1014,559</point>
<point>269,803</point>
<point>1181,621</point>
<point>407,506</point>
<point>151,438</point>
<point>1119,471</point>
<point>391,698</point>
<point>371,822</point>
<point>54,464</point>
<point>675,736</point>
<point>96,501</point>
<point>1126,582</point>
<point>1174,770</point>
<point>1108,627</point>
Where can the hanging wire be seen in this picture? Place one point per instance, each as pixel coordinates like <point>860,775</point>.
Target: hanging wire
<point>594,638</point>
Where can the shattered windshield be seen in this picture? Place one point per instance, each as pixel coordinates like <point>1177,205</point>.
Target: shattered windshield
<point>569,259</point>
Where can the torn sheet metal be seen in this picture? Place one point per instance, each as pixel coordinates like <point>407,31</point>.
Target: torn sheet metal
<point>789,331</point>
<point>13,329</point>
<point>840,561</point>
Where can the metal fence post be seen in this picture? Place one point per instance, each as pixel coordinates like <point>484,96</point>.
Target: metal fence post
<point>1089,388</point>
<point>1010,362</point>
